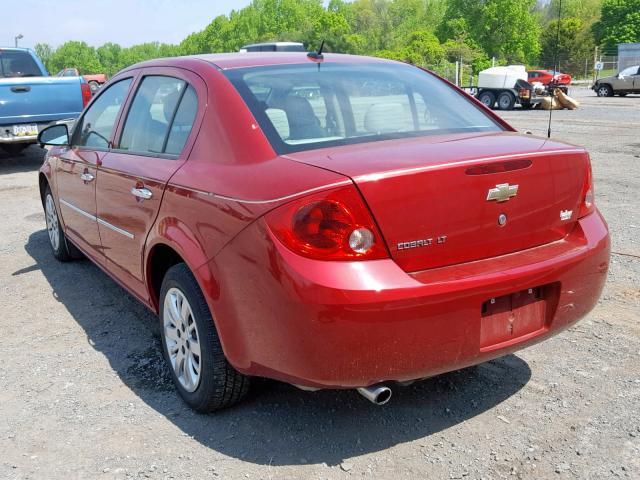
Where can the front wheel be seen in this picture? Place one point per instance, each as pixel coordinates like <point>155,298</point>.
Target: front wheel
<point>191,346</point>
<point>604,91</point>
<point>63,250</point>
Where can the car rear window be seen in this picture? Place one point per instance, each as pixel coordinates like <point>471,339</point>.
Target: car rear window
<point>17,64</point>
<point>307,106</point>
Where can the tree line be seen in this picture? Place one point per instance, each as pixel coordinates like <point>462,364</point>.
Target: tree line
<point>431,33</point>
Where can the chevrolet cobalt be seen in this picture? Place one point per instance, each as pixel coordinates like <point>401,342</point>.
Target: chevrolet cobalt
<point>330,221</point>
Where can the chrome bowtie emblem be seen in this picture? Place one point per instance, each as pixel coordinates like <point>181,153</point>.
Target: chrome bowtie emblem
<point>502,192</point>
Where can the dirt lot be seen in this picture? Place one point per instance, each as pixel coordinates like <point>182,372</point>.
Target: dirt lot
<point>84,393</point>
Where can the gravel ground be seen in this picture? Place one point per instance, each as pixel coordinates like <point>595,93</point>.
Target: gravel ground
<point>84,393</point>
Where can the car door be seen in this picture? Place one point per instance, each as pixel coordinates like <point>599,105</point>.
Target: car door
<point>132,177</point>
<point>76,167</point>
<point>623,82</point>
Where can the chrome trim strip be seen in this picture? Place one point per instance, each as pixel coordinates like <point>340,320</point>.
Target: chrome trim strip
<point>77,210</point>
<point>96,219</point>
<point>115,229</point>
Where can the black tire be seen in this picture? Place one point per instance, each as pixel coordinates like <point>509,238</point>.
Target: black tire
<point>488,99</point>
<point>63,250</point>
<point>527,105</point>
<point>219,385</point>
<point>604,90</point>
<point>94,86</point>
<point>506,101</point>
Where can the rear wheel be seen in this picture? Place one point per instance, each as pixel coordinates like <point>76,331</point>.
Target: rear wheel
<point>191,346</point>
<point>488,99</point>
<point>604,91</point>
<point>506,101</point>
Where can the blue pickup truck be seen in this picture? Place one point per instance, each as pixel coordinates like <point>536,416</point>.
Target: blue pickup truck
<point>30,99</point>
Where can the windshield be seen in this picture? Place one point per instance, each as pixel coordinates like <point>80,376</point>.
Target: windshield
<point>18,64</point>
<point>302,107</point>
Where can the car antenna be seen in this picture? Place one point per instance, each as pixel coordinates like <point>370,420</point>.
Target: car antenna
<point>317,55</point>
<point>555,67</point>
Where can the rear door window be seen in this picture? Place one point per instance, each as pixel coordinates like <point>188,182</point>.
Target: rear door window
<point>95,127</point>
<point>160,117</point>
<point>182,122</point>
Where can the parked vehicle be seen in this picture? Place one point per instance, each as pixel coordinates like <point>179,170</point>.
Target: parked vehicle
<point>274,47</point>
<point>386,228</point>
<point>506,87</point>
<point>30,100</point>
<point>95,80</point>
<point>625,82</point>
<point>547,77</point>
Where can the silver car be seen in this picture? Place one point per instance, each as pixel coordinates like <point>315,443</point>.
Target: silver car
<point>627,81</point>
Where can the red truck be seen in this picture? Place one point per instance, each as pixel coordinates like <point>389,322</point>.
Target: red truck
<point>95,81</point>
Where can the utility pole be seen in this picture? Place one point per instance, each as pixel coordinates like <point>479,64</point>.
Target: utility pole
<point>595,59</point>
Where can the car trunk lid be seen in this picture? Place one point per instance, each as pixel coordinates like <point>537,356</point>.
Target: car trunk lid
<point>445,200</point>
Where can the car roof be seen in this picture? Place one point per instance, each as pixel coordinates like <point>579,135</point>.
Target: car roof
<point>226,61</point>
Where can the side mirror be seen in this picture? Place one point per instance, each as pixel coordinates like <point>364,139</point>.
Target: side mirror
<point>620,76</point>
<point>55,135</point>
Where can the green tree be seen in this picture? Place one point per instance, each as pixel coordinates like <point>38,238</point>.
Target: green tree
<point>44,51</point>
<point>619,23</point>
<point>575,45</point>
<point>506,29</point>
<point>109,56</point>
<point>75,54</point>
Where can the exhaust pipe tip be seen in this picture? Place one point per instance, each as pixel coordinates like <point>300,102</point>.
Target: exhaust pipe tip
<point>376,394</point>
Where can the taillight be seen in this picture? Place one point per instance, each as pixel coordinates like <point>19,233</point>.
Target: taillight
<point>587,205</point>
<point>331,225</point>
<point>86,93</point>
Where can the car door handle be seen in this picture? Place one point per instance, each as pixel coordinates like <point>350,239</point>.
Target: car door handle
<point>21,89</point>
<point>143,193</point>
<point>86,177</point>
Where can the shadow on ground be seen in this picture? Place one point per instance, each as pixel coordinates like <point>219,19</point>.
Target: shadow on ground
<point>28,160</point>
<point>277,424</point>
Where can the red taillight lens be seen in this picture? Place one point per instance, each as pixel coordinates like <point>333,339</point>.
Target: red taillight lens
<point>86,93</point>
<point>332,225</point>
<point>587,205</point>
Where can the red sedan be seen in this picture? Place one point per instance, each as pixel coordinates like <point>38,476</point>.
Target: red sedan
<point>331,222</point>
<point>545,77</point>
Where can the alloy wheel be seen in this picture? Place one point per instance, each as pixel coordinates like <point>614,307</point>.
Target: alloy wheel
<point>53,227</point>
<point>182,340</point>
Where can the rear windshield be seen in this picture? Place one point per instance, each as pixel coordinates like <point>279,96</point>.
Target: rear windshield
<point>303,107</point>
<point>18,64</point>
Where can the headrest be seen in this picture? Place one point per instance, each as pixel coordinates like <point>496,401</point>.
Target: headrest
<point>385,118</point>
<point>279,120</point>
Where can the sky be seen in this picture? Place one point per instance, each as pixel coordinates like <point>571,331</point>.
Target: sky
<point>127,22</point>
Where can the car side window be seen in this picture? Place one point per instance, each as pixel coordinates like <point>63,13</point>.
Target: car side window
<point>151,113</point>
<point>182,122</point>
<point>95,127</point>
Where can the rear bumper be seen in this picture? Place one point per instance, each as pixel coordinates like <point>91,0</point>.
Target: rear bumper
<point>351,324</point>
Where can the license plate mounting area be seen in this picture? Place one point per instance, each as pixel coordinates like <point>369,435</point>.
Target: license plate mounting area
<point>510,318</point>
